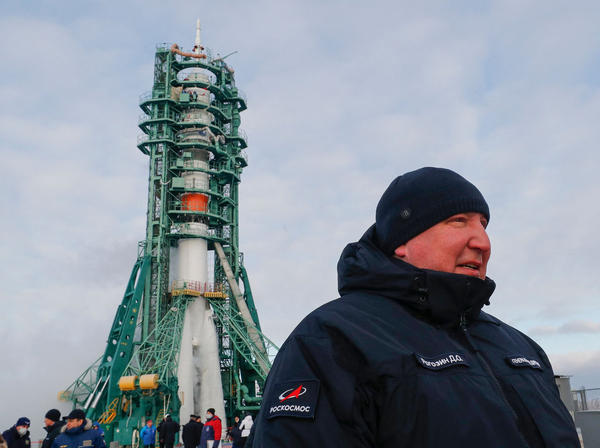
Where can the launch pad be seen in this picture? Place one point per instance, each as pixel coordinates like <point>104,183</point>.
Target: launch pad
<point>186,336</point>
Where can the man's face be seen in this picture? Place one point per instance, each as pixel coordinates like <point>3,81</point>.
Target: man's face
<point>458,244</point>
<point>149,423</point>
<point>74,422</point>
<point>48,422</point>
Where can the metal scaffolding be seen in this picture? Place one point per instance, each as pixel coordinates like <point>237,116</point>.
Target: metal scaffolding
<point>194,106</point>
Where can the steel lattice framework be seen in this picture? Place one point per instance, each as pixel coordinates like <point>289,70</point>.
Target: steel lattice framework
<point>145,337</point>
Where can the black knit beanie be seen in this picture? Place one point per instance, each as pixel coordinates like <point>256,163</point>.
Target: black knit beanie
<point>53,414</point>
<point>418,200</point>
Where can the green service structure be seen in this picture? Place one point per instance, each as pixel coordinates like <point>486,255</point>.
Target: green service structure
<point>186,336</point>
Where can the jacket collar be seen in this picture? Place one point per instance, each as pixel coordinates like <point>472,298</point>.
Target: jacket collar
<point>85,426</point>
<point>440,296</point>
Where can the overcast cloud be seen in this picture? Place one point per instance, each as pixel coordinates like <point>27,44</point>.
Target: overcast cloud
<point>343,97</point>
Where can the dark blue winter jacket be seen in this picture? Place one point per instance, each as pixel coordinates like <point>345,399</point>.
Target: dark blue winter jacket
<point>406,358</point>
<point>208,433</point>
<point>14,440</point>
<point>53,432</point>
<point>80,437</point>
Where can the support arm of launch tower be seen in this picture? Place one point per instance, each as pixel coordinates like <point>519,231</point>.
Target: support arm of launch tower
<point>241,303</point>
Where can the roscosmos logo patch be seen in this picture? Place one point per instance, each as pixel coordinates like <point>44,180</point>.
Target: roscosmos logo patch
<point>295,393</point>
<point>293,399</point>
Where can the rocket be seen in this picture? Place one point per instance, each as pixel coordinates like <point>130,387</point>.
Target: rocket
<point>199,374</point>
<point>197,46</point>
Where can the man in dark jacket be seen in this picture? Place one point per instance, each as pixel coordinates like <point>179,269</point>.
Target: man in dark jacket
<point>191,432</point>
<point>17,436</point>
<point>78,433</point>
<point>53,426</point>
<point>235,433</point>
<point>167,430</point>
<point>406,357</point>
<point>159,428</point>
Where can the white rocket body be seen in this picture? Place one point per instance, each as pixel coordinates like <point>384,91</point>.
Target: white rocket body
<point>199,368</point>
<point>198,372</point>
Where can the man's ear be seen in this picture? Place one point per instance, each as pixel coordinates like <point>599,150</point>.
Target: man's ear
<point>400,251</point>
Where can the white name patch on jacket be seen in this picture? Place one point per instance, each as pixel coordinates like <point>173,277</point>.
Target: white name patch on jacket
<point>523,361</point>
<point>442,361</point>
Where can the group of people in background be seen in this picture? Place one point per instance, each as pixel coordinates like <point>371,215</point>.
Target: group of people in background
<point>75,431</point>
<point>72,431</point>
<point>195,433</point>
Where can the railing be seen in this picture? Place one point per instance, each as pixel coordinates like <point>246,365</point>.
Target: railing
<point>187,75</point>
<point>182,206</point>
<point>149,96</point>
<point>145,96</point>
<point>209,54</point>
<point>194,285</point>
<point>222,166</point>
<point>146,117</point>
<point>241,133</point>
<point>223,213</point>
<point>586,399</point>
<point>142,138</point>
<point>196,164</point>
<point>242,95</point>
<point>244,156</point>
<point>182,228</point>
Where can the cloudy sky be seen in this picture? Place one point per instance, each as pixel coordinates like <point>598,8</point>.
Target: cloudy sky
<point>343,97</point>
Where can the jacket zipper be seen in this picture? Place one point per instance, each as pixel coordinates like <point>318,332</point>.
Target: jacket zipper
<point>486,366</point>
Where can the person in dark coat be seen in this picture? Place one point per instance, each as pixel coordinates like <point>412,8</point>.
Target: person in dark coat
<point>406,357</point>
<point>17,436</point>
<point>199,421</point>
<point>159,428</point>
<point>53,426</point>
<point>235,433</point>
<point>191,432</point>
<point>78,433</point>
<point>167,431</point>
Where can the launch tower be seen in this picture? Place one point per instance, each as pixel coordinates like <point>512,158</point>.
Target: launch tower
<point>186,336</point>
